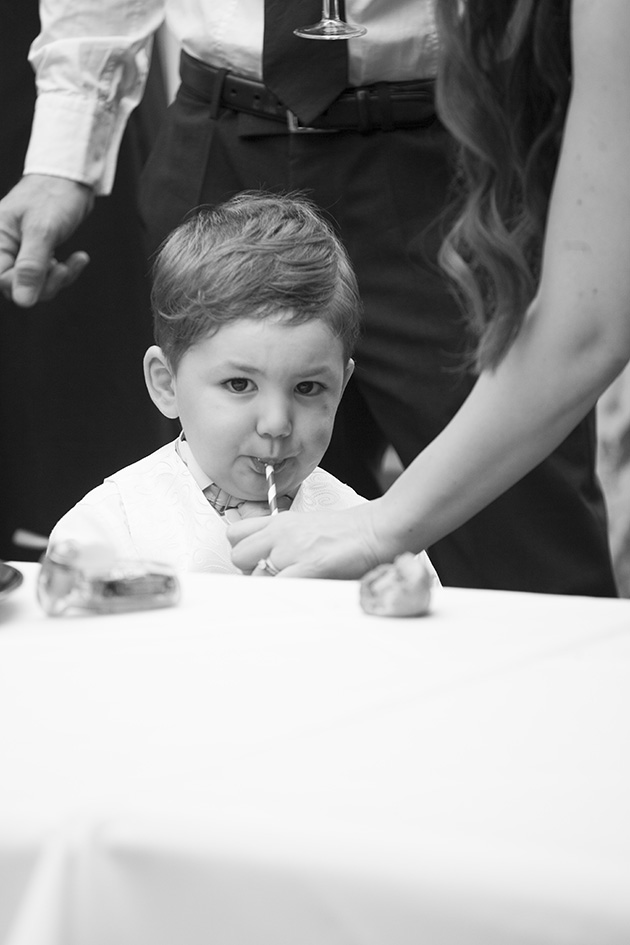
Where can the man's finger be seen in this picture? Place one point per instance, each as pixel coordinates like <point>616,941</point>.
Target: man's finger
<point>56,279</point>
<point>6,284</point>
<point>75,265</point>
<point>29,276</point>
<point>7,259</point>
<point>63,274</point>
<point>243,528</point>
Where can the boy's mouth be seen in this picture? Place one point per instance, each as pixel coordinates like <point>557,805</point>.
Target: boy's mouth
<point>260,463</point>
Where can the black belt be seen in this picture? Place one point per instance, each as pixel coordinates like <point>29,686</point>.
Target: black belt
<point>384,106</point>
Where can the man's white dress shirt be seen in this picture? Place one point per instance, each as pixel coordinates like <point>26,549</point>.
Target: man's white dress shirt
<point>92,59</point>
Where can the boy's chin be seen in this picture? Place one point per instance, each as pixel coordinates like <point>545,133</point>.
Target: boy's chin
<point>244,490</point>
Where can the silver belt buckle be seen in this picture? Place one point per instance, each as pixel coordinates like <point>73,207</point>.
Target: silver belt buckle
<point>295,128</point>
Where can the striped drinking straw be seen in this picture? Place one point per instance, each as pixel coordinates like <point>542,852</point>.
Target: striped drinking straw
<point>272,497</point>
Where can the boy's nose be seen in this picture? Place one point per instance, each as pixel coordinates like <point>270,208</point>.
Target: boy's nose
<point>274,419</point>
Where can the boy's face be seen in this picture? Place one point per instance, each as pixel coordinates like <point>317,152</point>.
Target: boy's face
<point>257,391</point>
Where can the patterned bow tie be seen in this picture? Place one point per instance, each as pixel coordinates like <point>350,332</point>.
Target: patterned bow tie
<point>221,501</point>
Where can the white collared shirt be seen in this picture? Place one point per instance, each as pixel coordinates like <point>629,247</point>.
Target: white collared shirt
<point>91,60</point>
<point>155,510</point>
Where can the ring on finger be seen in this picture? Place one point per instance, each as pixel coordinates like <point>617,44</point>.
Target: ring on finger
<point>267,565</point>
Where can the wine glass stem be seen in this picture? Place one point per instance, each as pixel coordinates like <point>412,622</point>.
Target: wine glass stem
<point>330,9</point>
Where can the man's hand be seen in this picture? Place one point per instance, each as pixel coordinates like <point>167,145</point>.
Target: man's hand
<point>38,214</point>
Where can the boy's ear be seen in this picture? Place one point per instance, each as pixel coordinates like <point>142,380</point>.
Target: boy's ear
<point>160,381</point>
<point>347,373</point>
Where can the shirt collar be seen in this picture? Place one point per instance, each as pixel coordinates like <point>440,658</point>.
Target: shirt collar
<point>184,450</point>
<point>203,481</point>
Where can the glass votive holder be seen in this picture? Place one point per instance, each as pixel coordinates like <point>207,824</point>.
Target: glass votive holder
<point>91,578</point>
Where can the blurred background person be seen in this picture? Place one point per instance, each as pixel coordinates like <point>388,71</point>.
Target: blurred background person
<point>67,419</point>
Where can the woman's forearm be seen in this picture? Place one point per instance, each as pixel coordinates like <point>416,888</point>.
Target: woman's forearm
<point>511,421</point>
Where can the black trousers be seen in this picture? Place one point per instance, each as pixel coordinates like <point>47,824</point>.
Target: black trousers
<point>385,193</point>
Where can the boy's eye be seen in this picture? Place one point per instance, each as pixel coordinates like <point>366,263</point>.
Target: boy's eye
<point>239,384</point>
<point>307,388</point>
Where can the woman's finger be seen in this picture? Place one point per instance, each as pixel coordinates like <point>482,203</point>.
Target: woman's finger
<point>240,528</point>
<point>249,551</point>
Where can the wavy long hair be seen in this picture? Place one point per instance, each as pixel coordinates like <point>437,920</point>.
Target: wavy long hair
<point>503,91</point>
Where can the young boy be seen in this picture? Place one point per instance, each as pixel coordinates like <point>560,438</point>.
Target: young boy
<point>256,313</point>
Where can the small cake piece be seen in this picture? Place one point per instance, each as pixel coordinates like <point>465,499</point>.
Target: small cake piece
<point>401,589</point>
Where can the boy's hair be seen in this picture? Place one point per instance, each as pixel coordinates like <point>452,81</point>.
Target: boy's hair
<point>255,255</point>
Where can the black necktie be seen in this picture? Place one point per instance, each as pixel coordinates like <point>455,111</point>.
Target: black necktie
<point>306,74</point>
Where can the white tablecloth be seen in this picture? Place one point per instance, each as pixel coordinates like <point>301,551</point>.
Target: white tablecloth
<point>266,765</point>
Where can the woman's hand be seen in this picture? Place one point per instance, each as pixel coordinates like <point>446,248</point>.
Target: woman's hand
<point>341,544</point>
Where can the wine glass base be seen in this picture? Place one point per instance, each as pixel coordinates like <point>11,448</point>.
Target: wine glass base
<point>330,29</point>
